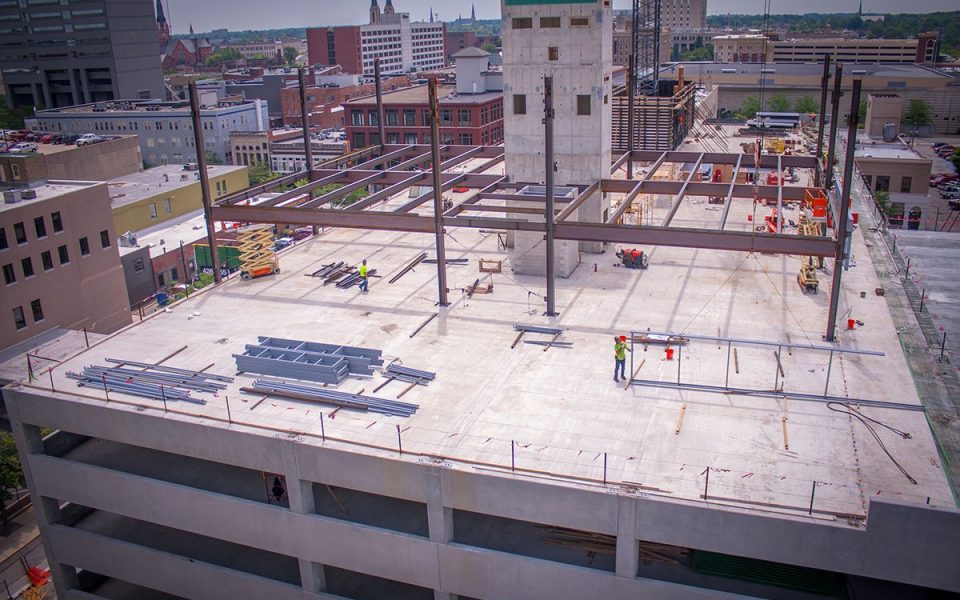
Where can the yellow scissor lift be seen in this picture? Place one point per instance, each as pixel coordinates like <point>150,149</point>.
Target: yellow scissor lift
<point>257,257</point>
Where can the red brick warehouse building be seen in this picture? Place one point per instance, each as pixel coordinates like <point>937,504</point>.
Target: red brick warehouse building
<point>471,112</point>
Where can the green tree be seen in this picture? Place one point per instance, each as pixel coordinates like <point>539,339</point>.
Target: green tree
<point>9,118</point>
<point>11,474</point>
<point>211,158</point>
<point>918,114</point>
<point>862,118</point>
<point>490,47</point>
<point>806,104</point>
<point>290,55</point>
<point>260,173</point>
<point>779,103</point>
<point>749,108</point>
<point>351,198</point>
<point>215,59</point>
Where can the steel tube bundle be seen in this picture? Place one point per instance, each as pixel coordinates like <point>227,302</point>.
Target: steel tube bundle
<point>133,387</point>
<point>309,393</point>
<point>537,329</point>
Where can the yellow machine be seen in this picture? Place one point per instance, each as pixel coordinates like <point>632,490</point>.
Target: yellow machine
<point>257,256</point>
<point>807,277</point>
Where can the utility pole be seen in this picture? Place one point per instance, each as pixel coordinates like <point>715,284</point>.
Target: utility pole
<point>437,193</point>
<point>838,266</point>
<point>548,116</point>
<point>204,179</point>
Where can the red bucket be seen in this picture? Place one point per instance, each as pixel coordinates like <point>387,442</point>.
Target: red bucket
<point>856,218</point>
<point>851,323</point>
<point>669,353</point>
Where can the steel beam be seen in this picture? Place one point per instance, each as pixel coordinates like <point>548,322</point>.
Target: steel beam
<point>622,186</point>
<point>729,200</point>
<point>285,197</point>
<point>351,219</point>
<point>549,215</point>
<point>779,195</point>
<point>438,193</point>
<point>824,88</point>
<point>767,161</point>
<point>683,192</point>
<point>416,161</point>
<point>619,162</point>
<point>840,255</point>
<point>834,123</point>
<point>204,180</point>
<point>343,191</point>
<point>383,159</point>
<point>634,189</point>
<point>264,188</point>
<point>379,91</point>
<point>428,196</point>
<point>387,192</point>
<point>472,199</point>
<point>489,164</point>
<point>582,197</point>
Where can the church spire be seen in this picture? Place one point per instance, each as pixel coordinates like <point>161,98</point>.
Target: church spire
<point>161,18</point>
<point>431,14</point>
<point>473,13</point>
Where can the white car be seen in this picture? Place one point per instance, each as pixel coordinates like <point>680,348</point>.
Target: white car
<point>23,148</point>
<point>88,138</point>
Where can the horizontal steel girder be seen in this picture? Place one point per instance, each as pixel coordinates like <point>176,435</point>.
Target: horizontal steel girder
<point>591,232</point>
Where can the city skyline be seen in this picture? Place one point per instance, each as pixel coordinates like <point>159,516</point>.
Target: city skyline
<point>239,15</point>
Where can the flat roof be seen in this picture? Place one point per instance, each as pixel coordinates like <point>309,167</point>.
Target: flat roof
<point>168,235</point>
<point>151,182</point>
<point>559,411</point>
<point>419,94</point>
<point>49,190</point>
<point>699,69</point>
<point>113,107</point>
<point>896,151</point>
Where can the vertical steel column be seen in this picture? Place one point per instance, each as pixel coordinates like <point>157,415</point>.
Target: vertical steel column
<point>379,87</point>
<point>305,116</point>
<point>204,180</point>
<point>834,123</point>
<point>548,115</point>
<point>631,115</point>
<point>437,192</point>
<point>824,88</point>
<point>844,210</point>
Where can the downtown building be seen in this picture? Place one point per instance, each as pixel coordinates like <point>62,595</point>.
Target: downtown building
<point>401,45</point>
<point>59,54</point>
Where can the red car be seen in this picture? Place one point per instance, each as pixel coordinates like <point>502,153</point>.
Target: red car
<point>47,138</point>
<point>941,180</point>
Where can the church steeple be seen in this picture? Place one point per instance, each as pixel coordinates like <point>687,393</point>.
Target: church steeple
<point>374,12</point>
<point>388,8</point>
<point>431,14</point>
<point>163,27</point>
<point>473,13</point>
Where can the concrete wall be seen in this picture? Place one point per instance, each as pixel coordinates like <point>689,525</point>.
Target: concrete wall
<point>88,291</point>
<point>138,275</point>
<point>97,162</point>
<point>583,65</point>
<point>882,109</point>
<point>895,169</point>
<point>900,542</point>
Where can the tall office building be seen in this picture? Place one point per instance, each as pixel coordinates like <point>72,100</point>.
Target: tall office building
<point>401,45</point>
<point>573,43</point>
<point>61,54</point>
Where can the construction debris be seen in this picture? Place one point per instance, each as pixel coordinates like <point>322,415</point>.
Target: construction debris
<point>491,266</point>
<point>326,270</point>
<point>308,393</point>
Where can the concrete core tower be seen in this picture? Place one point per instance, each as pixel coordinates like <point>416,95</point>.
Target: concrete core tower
<point>573,43</point>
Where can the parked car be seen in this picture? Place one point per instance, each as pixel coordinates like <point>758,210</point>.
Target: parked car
<point>23,148</point>
<point>88,138</point>
<point>281,243</point>
<point>943,179</point>
<point>302,233</point>
<point>936,145</point>
<point>944,151</point>
<point>70,138</point>
<point>47,138</point>
<point>951,194</point>
<point>955,204</point>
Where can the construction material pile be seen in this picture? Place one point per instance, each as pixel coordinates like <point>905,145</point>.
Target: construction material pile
<point>146,380</point>
<point>312,361</point>
<point>343,275</point>
<point>309,393</point>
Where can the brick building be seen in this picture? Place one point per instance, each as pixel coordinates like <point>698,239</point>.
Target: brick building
<point>324,103</point>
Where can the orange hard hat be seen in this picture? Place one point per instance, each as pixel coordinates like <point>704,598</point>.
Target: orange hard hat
<point>623,338</point>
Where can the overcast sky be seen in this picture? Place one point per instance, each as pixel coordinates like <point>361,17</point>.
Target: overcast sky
<point>255,14</point>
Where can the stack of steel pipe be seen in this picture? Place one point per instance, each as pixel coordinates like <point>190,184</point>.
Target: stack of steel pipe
<point>298,391</point>
<point>326,270</point>
<point>449,261</point>
<point>165,369</point>
<point>134,387</point>
<point>409,375</point>
<point>337,273</point>
<point>191,382</point>
<point>353,279</point>
<point>538,329</point>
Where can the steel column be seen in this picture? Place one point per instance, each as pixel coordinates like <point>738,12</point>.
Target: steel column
<point>438,193</point>
<point>548,115</point>
<point>824,88</point>
<point>631,98</point>
<point>834,122</point>
<point>729,200</point>
<point>844,210</point>
<point>204,179</point>
<point>379,88</point>
<point>305,116</point>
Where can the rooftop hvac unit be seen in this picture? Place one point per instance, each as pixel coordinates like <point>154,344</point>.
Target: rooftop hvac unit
<point>28,194</point>
<point>11,196</point>
<point>128,240</point>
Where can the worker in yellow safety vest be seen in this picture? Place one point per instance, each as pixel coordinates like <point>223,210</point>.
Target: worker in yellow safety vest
<point>620,354</point>
<point>364,280</point>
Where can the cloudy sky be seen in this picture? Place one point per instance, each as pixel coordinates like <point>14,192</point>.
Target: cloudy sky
<point>256,14</point>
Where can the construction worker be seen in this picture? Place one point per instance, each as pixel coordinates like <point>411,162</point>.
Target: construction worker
<point>620,350</point>
<point>364,280</point>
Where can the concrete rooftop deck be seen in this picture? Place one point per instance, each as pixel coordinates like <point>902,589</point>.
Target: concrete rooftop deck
<point>561,407</point>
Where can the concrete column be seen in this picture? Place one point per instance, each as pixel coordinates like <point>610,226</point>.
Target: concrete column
<point>300,497</point>
<point>439,518</point>
<point>45,510</point>
<point>627,551</point>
